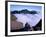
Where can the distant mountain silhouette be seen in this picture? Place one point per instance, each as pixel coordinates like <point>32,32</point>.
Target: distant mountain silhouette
<point>25,11</point>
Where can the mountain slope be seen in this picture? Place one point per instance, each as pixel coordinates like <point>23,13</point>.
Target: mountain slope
<point>25,11</point>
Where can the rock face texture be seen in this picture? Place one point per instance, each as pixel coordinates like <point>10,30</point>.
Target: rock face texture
<point>15,24</point>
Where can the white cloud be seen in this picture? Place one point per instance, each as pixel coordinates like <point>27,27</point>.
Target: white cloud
<point>31,19</point>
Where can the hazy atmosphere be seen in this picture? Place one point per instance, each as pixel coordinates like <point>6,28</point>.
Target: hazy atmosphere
<point>20,7</point>
<point>32,19</point>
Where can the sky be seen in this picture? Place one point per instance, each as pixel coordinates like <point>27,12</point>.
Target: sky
<point>29,7</point>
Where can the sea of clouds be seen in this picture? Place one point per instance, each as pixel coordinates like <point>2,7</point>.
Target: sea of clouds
<point>31,19</point>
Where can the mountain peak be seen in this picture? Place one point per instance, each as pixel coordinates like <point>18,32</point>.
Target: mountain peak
<point>25,11</point>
